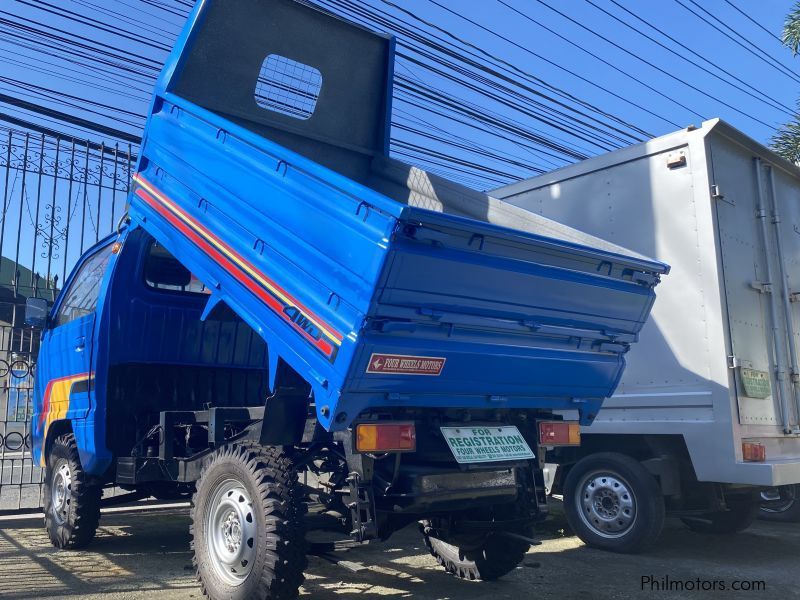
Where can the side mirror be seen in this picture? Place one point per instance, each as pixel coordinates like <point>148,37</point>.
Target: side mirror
<point>36,311</point>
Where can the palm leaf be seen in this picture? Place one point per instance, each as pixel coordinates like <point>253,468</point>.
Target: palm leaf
<point>791,30</point>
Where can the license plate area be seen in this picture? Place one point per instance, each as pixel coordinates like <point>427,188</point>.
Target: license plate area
<point>485,444</point>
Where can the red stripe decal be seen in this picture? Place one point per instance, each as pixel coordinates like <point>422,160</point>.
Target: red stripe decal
<point>241,276</point>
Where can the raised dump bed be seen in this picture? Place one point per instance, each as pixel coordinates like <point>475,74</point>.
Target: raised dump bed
<point>344,258</point>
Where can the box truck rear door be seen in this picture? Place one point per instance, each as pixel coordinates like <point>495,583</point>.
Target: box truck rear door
<point>760,254</point>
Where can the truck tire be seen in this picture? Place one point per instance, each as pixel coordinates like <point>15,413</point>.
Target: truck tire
<point>486,560</point>
<point>612,502</point>
<point>785,508</point>
<point>742,511</point>
<point>247,526</point>
<point>71,498</point>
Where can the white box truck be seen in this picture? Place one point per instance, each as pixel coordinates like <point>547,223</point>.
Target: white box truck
<point>706,420</point>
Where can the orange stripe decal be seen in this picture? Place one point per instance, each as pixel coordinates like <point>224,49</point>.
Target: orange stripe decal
<point>56,402</point>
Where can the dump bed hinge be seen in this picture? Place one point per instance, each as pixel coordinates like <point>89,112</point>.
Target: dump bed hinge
<point>648,279</point>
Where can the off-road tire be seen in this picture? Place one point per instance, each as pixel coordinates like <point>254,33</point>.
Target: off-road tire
<point>496,556</point>
<point>639,528</point>
<point>742,511</point>
<point>786,512</point>
<point>268,476</point>
<point>75,525</point>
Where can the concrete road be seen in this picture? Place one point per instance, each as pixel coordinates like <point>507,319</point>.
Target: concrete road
<point>146,555</point>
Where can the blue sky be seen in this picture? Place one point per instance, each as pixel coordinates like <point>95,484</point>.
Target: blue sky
<point>139,26</point>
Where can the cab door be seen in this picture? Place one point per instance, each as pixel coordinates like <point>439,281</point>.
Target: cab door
<point>63,388</point>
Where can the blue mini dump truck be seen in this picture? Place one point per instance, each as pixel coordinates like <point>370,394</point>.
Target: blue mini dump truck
<point>290,318</point>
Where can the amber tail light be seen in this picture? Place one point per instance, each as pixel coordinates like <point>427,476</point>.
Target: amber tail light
<point>559,433</point>
<point>386,437</point>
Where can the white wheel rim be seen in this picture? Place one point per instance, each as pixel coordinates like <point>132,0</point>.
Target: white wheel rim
<point>606,504</point>
<point>231,531</point>
<point>61,492</point>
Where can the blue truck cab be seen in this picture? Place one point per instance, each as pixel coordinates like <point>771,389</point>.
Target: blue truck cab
<point>290,318</point>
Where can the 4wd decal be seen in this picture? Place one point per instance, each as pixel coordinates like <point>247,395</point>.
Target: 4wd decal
<point>399,364</point>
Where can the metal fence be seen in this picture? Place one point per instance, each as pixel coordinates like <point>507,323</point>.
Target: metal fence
<point>59,196</point>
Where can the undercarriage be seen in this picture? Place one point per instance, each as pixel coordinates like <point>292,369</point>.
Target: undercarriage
<point>373,494</point>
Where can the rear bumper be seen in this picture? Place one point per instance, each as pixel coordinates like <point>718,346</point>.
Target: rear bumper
<point>769,473</point>
<point>427,491</point>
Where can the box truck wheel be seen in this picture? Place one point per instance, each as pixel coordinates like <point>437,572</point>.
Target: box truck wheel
<point>612,502</point>
<point>71,498</point>
<point>742,511</point>
<point>247,525</point>
<point>485,558</point>
<point>781,504</point>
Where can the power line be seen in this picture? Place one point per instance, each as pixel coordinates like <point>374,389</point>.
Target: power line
<point>477,115</point>
<point>407,91</point>
<point>24,84</point>
<point>509,41</point>
<point>654,66</point>
<point>752,20</point>
<point>591,137</point>
<point>495,131</point>
<point>139,23</point>
<point>62,136</point>
<point>605,62</point>
<point>425,38</point>
<point>766,99</point>
<point>86,124</point>
<point>164,8</point>
<point>39,96</point>
<point>108,50</point>
<point>756,47</point>
<point>699,55</point>
<point>90,22</point>
<point>62,75</point>
<point>768,60</point>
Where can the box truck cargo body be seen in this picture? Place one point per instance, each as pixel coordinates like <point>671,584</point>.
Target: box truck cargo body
<point>712,395</point>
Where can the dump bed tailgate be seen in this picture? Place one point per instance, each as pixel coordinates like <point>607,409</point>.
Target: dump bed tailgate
<point>484,316</point>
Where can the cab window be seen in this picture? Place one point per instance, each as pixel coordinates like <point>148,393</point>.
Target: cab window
<point>162,271</point>
<point>80,299</point>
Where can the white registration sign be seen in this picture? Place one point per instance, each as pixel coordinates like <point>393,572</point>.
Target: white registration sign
<point>486,444</point>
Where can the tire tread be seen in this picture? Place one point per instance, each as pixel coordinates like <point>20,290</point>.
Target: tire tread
<point>85,503</point>
<point>496,557</point>
<point>279,494</point>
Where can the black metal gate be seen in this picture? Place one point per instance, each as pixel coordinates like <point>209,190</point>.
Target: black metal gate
<point>59,196</point>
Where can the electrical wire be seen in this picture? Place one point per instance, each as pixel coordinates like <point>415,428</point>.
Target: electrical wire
<point>763,98</point>
<point>520,71</point>
<point>699,55</point>
<point>656,67</point>
<point>752,20</point>
<point>768,60</point>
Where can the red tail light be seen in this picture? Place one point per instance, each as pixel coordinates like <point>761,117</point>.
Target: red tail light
<point>752,452</point>
<point>386,437</point>
<point>559,433</point>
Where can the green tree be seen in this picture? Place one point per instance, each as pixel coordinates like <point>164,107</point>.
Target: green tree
<point>786,140</point>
